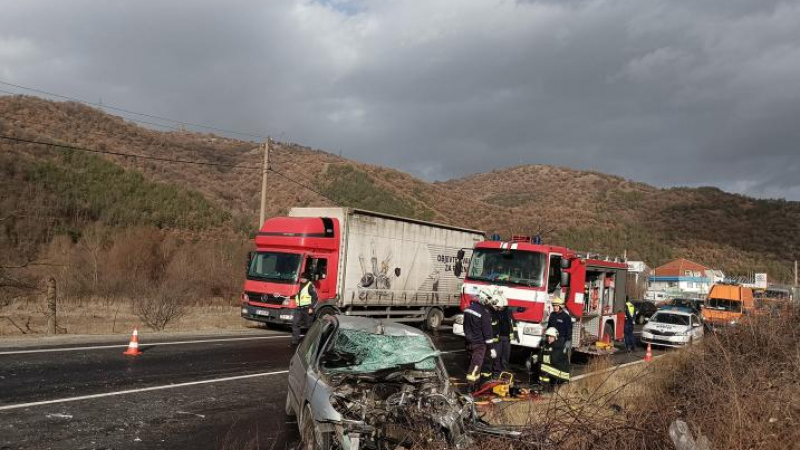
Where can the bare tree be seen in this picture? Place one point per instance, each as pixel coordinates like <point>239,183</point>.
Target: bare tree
<point>94,241</point>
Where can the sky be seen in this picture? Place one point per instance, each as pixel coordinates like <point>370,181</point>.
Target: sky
<point>667,92</point>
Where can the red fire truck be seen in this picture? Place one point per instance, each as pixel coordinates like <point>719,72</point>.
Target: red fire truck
<point>530,275</point>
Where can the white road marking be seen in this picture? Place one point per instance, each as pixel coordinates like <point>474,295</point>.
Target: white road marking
<point>145,344</point>
<point>133,391</point>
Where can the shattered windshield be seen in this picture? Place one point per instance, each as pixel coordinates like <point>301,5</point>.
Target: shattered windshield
<point>358,351</point>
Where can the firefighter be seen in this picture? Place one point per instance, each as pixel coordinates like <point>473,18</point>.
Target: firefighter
<point>554,360</point>
<point>506,332</point>
<point>304,303</point>
<point>561,321</point>
<point>478,334</point>
<point>630,316</point>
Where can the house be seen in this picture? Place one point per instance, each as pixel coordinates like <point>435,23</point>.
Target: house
<point>682,277</point>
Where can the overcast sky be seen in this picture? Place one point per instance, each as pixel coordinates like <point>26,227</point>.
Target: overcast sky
<point>669,92</point>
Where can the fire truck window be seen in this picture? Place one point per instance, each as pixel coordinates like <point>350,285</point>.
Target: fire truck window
<point>554,277</point>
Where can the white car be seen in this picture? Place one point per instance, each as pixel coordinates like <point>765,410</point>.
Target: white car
<point>672,328</point>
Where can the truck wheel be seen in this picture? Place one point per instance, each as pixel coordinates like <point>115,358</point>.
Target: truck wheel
<point>434,319</point>
<point>311,436</point>
<point>325,311</point>
<point>289,409</point>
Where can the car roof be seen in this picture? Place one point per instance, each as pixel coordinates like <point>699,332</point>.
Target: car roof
<point>376,326</point>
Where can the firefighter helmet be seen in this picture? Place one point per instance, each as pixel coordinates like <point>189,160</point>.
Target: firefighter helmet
<point>551,332</point>
<point>500,299</point>
<point>485,296</point>
<point>558,301</point>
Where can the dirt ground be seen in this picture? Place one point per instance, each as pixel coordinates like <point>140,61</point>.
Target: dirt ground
<point>113,316</point>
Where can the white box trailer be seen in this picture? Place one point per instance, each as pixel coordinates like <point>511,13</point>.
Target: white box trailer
<point>393,267</point>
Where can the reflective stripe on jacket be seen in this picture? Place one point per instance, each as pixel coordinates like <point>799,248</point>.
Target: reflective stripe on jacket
<point>304,297</point>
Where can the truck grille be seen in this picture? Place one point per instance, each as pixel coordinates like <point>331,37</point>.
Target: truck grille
<point>264,298</point>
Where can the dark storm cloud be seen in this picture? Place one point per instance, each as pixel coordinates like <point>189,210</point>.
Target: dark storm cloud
<point>691,93</point>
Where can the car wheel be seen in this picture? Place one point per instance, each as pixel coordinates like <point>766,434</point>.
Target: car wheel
<point>434,319</point>
<point>325,311</point>
<point>311,436</point>
<point>289,409</point>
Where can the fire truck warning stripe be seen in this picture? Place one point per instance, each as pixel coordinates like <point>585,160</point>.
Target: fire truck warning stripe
<point>133,391</point>
<point>147,344</point>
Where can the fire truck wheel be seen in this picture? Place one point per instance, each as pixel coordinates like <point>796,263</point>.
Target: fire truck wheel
<point>609,330</point>
<point>434,319</point>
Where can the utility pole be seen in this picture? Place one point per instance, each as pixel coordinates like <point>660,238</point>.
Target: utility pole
<point>795,272</point>
<point>263,216</point>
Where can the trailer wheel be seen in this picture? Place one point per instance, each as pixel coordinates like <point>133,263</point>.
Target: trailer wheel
<point>325,311</point>
<point>434,319</point>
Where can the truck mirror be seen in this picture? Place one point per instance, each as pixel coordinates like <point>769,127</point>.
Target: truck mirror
<point>565,263</point>
<point>460,254</point>
<point>249,260</point>
<point>397,271</point>
<point>458,268</point>
<point>564,279</point>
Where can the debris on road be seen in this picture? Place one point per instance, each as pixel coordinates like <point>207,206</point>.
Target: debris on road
<point>59,416</point>
<point>202,416</point>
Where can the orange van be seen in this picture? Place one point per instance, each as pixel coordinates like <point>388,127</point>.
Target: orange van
<point>726,304</point>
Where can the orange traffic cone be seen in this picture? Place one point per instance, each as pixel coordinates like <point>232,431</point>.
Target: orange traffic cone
<point>133,346</point>
<point>649,355</point>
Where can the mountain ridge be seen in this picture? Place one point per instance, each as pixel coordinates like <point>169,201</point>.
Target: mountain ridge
<point>579,208</point>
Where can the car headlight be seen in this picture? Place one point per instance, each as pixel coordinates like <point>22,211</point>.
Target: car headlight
<point>460,319</point>
<point>244,310</point>
<point>733,322</point>
<point>285,302</point>
<point>532,330</point>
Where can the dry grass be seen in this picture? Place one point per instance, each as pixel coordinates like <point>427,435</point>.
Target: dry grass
<point>739,388</point>
<point>104,316</point>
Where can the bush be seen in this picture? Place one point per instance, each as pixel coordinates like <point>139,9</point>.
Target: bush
<point>160,308</point>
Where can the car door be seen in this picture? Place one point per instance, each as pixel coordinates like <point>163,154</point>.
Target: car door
<point>697,328</point>
<point>301,361</point>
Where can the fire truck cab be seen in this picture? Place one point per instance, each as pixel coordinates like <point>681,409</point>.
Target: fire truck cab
<point>530,275</point>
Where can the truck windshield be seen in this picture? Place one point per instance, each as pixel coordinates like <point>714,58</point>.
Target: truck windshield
<point>511,267</point>
<point>724,304</point>
<point>275,267</point>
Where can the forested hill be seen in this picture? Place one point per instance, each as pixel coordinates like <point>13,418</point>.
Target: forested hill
<point>51,192</point>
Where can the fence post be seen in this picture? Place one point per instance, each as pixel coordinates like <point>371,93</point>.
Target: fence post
<point>51,305</point>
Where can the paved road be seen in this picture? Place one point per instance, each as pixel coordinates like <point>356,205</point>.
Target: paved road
<point>199,392</point>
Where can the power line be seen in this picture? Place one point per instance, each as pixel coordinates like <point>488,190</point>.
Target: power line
<point>289,179</point>
<point>129,155</point>
<point>127,111</point>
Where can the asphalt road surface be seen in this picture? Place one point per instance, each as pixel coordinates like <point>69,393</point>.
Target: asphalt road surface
<point>200,392</point>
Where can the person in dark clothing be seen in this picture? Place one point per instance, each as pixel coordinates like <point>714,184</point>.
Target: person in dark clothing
<point>478,334</point>
<point>555,367</point>
<point>304,302</point>
<point>630,316</point>
<point>505,333</point>
<point>562,322</point>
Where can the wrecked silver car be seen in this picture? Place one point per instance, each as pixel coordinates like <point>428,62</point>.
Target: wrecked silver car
<point>361,383</point>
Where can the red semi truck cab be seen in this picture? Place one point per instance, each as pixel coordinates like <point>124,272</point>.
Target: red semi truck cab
<point>285,248</point>
<point>530,275</point>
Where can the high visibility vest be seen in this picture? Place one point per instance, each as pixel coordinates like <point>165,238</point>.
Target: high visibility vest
<point>303,297</point>
<point>631,309</point>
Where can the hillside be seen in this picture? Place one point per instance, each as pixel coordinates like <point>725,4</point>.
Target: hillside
<point>582,209</point>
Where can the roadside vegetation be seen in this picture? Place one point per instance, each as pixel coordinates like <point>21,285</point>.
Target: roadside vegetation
<point>738,388</point>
